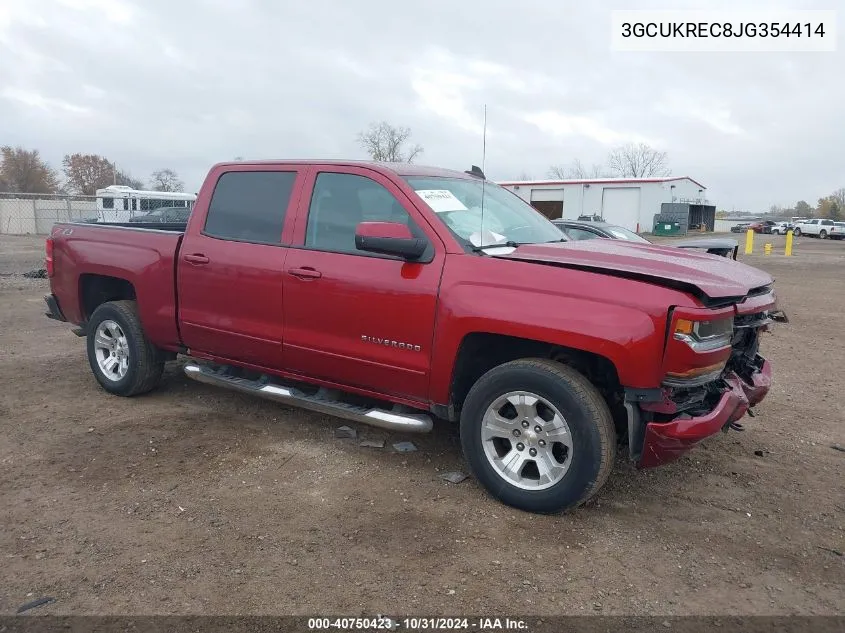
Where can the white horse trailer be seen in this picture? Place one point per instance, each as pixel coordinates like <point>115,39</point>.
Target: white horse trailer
<point>118,203</point>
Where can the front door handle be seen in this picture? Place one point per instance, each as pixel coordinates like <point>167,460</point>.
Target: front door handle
<point>305,272</point>
<point>196,258</point>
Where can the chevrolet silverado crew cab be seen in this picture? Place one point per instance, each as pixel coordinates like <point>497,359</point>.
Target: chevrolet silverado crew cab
<point>395,294</point>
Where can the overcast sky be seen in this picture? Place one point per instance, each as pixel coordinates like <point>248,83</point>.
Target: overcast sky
<point>186,83</point>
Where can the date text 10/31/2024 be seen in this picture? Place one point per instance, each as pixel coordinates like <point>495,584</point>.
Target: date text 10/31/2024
<point>417,624</point>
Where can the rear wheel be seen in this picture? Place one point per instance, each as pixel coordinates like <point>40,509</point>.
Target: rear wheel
<point>538,435</point>
<point>823,234</point>
<point>121,357</point>
<point>796,232</point>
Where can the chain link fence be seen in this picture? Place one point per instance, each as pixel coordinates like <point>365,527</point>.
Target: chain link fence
<point>35,214</point>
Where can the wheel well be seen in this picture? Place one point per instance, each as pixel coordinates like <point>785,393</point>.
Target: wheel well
<point>480,352</point>
<point>94,290</point>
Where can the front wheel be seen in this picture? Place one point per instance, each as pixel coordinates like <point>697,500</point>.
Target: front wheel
<point>538,435</point>
<point>823,234</point>
<point>122,359</point>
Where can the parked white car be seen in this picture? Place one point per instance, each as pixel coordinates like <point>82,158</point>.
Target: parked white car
<point>815,228</point>
<point>782,228</point>
<point>837,232</point>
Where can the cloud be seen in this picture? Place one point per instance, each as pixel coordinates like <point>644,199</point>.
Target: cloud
<point>559,124</point>
<point>45,104</point>
<point>116,11</point>
<point>443,93</point>
<point>713,112</point>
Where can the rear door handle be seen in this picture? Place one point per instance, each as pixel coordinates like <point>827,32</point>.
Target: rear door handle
<point>305,273</point>
<point>196,258</point>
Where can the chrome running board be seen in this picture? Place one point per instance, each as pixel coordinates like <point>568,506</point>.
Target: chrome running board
<point>382,418</point>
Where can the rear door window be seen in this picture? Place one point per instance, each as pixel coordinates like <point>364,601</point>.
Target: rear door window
<point>250,206</point>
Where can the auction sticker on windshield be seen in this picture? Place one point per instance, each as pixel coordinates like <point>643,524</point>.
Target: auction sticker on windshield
<point>441,200</point>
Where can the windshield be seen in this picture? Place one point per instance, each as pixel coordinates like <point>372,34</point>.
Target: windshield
<point>624,234</point>
<point>507,218</point>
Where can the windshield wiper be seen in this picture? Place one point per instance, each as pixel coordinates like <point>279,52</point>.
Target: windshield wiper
<point>509,243</point>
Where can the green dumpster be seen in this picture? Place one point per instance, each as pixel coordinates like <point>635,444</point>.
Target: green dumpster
<point>667,228</point>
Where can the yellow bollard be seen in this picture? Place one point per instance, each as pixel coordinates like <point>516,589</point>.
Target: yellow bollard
<point>767,248</point>
<point>749,242</point>
<point>788,251</point>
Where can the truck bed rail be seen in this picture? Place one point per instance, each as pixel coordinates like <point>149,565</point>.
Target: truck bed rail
<point>170,227</point>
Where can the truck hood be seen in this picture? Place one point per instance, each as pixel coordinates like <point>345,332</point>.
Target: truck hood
<point>711,278</point>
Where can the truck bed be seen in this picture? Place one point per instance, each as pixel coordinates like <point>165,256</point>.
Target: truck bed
<point>87,254</point>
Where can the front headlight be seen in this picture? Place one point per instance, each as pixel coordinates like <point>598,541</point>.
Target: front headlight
<point>705,336</point>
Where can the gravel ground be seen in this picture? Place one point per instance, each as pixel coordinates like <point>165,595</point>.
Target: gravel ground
<point>198,500</point>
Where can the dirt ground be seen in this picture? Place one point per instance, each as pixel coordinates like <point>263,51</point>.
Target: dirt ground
<point>194,499</point>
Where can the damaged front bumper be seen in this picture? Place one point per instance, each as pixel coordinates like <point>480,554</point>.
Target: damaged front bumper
<point>660,442</point>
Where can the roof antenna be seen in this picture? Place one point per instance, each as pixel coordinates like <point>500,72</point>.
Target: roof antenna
<point>484,179</point>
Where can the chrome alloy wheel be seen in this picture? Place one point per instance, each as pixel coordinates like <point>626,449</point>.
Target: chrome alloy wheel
<point>526,440</point>
<point>112,350</point>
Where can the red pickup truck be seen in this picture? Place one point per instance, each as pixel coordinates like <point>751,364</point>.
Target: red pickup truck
<point>395,294</point>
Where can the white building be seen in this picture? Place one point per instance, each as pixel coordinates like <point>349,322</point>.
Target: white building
<point>629,202</point>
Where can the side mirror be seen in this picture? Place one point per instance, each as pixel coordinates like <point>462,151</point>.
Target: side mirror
<point>389,238</point>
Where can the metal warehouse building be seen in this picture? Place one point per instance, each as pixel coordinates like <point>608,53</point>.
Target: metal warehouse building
<point>635,203</point>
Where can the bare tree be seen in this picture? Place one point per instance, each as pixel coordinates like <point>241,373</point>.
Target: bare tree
<point>558,172</point>
<point>126,179</point>
<point>597,171</point>
<point>839,197</point>
<point>23,171</point>
<point>384,142</point>
<point>166,180</point>
<point>576,170</point>
<point>638,160</point>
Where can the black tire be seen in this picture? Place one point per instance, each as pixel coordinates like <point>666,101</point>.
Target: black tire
<point>145,361</point>
<point>823,234</point>
<point>585,411</point>
<point>796,232</point>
